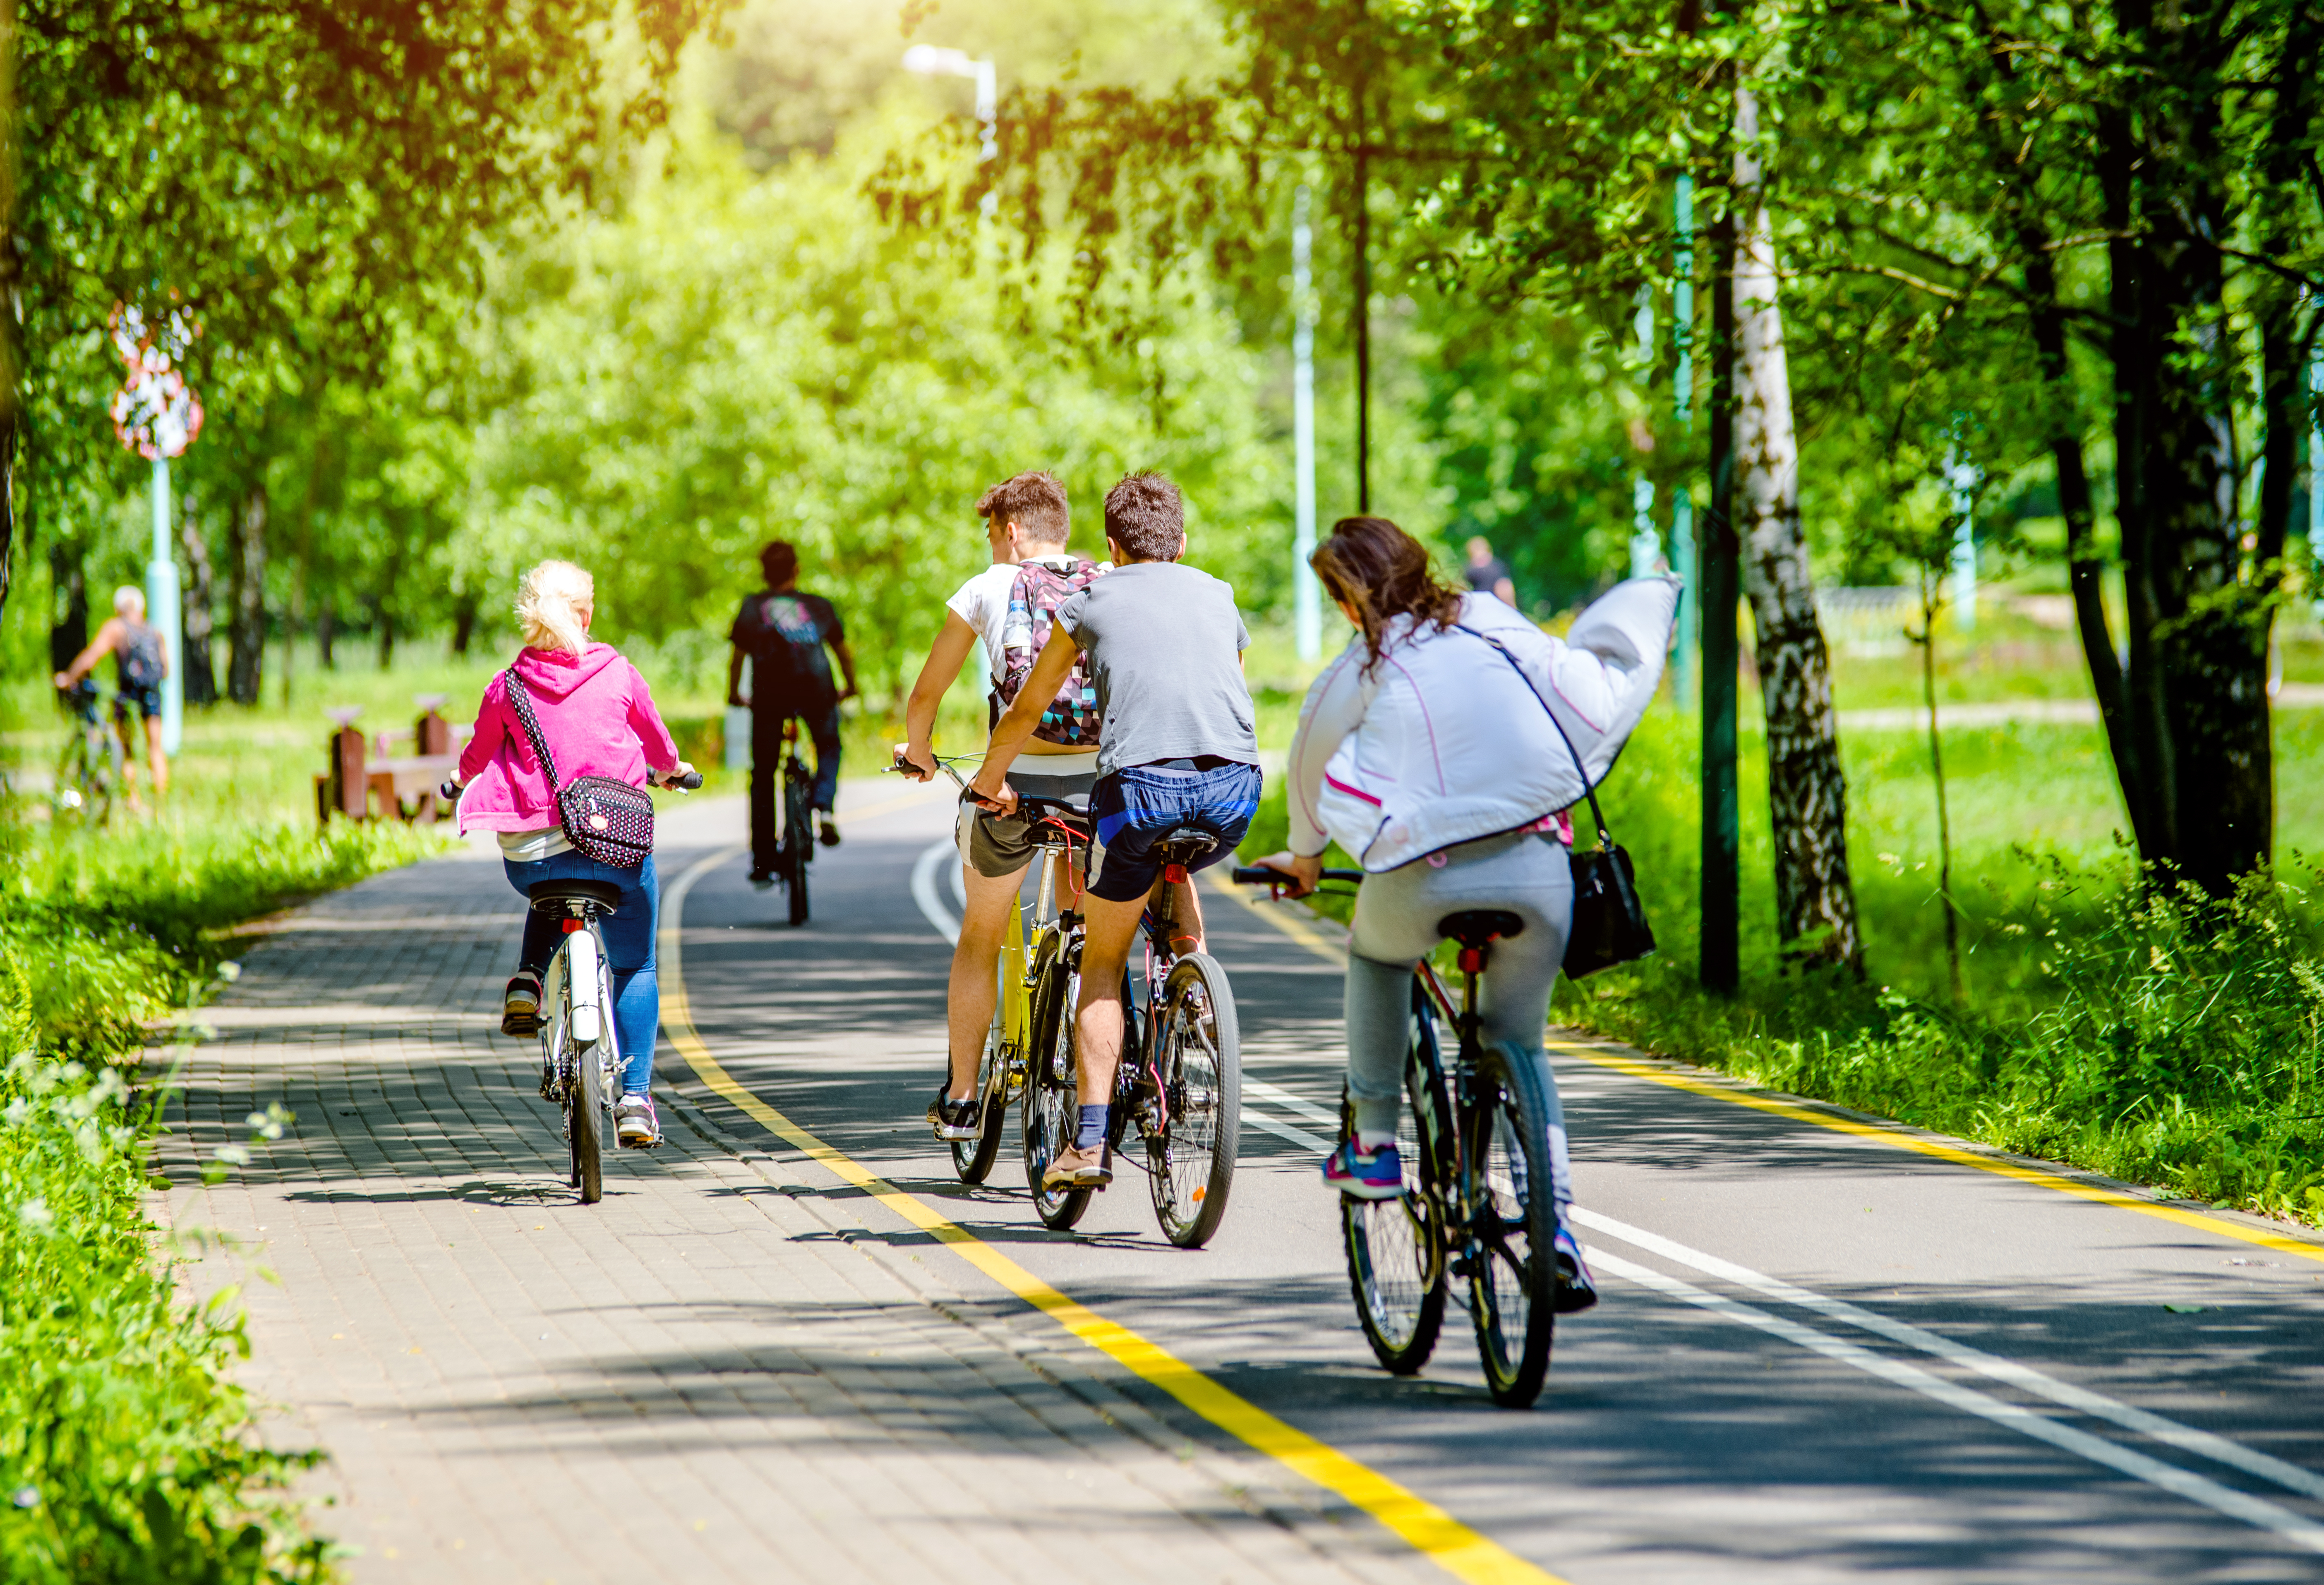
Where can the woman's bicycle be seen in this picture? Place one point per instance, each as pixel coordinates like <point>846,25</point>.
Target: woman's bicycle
<point>1477,1203</point>
<point>581,1060</point>
<point>90,769</point>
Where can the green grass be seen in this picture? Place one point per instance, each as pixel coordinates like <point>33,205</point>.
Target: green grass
<point>126,1451</point>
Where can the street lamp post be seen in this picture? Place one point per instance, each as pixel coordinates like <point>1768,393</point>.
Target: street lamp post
<point>932,60</point>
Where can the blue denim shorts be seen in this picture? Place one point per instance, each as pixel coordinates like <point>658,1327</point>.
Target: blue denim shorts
<point>1137,807</point>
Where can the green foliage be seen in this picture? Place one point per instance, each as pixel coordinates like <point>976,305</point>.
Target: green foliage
<point>740,357</point>
<point>126,1451</point>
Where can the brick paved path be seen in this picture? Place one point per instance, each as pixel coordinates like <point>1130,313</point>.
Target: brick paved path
<point>731,1369</point>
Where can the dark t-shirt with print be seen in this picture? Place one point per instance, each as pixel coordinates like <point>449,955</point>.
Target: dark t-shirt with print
<point>784,635</point>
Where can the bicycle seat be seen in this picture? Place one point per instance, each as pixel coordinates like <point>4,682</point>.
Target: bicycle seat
<point>557,897</point>
<point>1185,844</point>
<point>1474,927</point>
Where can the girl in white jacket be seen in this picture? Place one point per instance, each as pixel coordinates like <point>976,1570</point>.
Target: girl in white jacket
<point>1428,751</point>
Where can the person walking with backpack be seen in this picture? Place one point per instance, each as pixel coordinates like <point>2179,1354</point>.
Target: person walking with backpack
<point>589,709</point>
<point>1008,608</point>
<point>784,634</point>
<point>141,663</point>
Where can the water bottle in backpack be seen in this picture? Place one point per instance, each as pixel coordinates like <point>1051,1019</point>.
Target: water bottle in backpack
<point>1039,588</point>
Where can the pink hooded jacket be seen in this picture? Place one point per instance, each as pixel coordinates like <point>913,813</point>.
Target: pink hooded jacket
<point>598,716</point>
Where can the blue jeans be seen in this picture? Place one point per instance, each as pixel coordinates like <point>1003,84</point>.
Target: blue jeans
<point>1135,806</point>
<point>629,933</point>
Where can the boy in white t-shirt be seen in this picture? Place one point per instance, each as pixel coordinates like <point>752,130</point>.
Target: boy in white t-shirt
<point>1026,520</point>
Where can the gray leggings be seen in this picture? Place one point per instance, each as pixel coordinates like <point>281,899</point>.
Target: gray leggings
<point>1396,926</point>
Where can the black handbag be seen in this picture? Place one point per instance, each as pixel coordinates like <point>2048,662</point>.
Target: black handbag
<point>606,820</point>
<point>1609,924</point>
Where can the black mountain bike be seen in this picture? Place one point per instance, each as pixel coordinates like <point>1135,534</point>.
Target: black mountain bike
<point>795,847</point>
<point>1474,1141</point>
<point>1179,1083</point>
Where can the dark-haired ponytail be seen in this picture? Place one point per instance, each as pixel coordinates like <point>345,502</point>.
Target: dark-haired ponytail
<point>1381,573</point>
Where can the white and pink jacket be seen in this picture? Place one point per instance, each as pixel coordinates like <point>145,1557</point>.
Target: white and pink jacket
<point>1442,742</point>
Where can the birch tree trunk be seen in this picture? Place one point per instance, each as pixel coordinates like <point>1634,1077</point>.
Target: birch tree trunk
<point>248,638</point>
<point>1815,903</point>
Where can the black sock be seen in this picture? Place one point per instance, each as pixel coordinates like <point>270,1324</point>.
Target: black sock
<point>1092,1128</point>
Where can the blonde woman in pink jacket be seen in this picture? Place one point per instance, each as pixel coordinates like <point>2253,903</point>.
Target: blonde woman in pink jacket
<point>598,719</point>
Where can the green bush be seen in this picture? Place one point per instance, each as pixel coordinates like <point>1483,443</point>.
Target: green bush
<point>126,1453</point>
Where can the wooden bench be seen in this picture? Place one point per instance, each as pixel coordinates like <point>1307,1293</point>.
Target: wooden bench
<point>363,785</point>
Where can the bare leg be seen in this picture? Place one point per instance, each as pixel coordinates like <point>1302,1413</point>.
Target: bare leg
<point>975,965</point>
<point>157,760</point>
<point>1110,928</point>
<point>1186,915</point>
<point>128,765</point>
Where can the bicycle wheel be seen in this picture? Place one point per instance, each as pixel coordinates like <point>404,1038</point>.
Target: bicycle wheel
<point>1513,1273</point>
<point>798,841</point>
<point>1198,1059</point>
<point>1052,1110</point>
<point>1396,1247</point>
<point>972,1159</point>
<point>584,1103</point>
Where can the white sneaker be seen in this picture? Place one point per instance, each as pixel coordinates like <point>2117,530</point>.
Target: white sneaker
<point>634,1123</point>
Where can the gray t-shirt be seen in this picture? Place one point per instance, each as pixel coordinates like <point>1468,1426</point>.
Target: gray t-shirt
<point>1162,641</point>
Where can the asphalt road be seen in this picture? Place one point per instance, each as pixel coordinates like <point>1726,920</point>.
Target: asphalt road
<point>1821,1355</point>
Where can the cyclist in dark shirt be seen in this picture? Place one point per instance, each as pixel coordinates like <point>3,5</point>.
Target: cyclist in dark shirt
<point>784,634</point>
<point>1488,573</point>
<point>141,657</point>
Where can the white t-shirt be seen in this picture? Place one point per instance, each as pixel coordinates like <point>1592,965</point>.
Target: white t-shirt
<point>529,847</point>
<point>982,602</point>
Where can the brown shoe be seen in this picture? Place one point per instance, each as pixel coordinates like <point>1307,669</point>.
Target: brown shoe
<point>1089,1166</point>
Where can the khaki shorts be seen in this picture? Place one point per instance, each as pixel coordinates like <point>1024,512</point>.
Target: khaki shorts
<point>1000,845</point>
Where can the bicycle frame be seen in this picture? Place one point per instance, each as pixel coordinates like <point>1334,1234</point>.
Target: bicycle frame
<point>578,962</point>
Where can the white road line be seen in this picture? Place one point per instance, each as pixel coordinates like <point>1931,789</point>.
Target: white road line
<point>924,888</point>
<point>1283,1131</point>
<point>2186,1438</point>
<point>2170,1477</point>
<point>1290,1102</point>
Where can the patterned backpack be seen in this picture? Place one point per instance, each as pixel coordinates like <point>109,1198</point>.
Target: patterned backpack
<point>1041,587</point>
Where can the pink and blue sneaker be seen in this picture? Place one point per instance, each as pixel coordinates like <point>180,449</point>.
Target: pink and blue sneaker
<point>1377,1176</point>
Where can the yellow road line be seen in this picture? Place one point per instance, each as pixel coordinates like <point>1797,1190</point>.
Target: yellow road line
<point>1436,1534</point>
<point>1306,936</point>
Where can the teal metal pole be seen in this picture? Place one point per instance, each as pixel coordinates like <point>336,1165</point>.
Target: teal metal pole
<point>1681,543</point>
<point>161,611</point>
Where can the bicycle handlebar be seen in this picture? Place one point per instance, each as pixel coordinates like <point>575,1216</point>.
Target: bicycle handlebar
<point>1260,875</point>
<point>689,782</point>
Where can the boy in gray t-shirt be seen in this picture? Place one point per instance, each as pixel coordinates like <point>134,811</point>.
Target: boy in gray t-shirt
<point>1176,749</point>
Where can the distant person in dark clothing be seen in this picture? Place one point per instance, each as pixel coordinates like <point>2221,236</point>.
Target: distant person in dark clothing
<point>1488,573</point>
<point>784,634</point>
